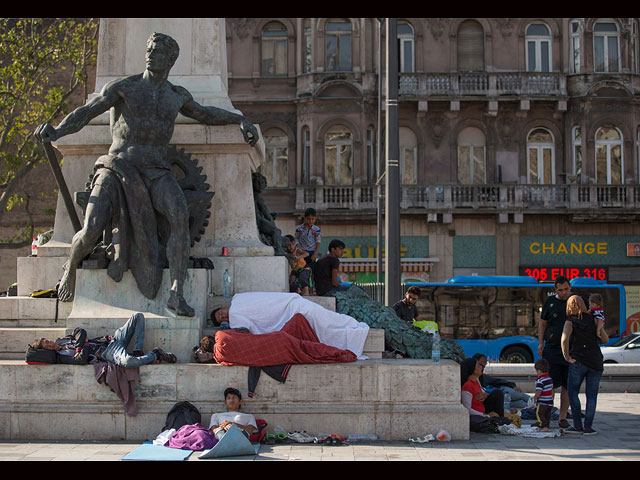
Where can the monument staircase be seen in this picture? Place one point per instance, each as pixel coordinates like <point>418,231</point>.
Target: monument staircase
<point>392,398</point>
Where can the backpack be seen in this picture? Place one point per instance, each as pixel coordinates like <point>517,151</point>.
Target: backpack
<point>182,413</point>
<point>73,341</point>
<point>40,356</point>
<point>48,293</point>
<point>258,435</point>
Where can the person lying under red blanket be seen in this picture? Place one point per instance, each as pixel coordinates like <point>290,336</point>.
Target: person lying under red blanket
<point>296,342</point>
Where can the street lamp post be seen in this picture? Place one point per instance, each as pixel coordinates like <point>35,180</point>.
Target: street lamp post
<point>392,185</point>
<point>379,161</point>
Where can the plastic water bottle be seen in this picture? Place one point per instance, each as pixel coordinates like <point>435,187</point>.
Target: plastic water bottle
<point>507,402</point>
<point>435,349</point>
<point>226,279</point>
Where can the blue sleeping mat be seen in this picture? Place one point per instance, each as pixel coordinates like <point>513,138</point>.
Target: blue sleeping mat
<point>150,452</point>
<point>234,443</point>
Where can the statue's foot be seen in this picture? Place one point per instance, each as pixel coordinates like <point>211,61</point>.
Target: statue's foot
<point>178,304</point>
<point>66,288</point>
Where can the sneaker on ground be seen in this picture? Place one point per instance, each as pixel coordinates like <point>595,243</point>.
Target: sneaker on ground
<point>589,431</point>
<point>163,356</point>
<point>563,424</point>
<point>573,430</point>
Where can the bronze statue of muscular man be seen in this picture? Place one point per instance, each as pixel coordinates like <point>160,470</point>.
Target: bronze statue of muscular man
<point>135,177</point>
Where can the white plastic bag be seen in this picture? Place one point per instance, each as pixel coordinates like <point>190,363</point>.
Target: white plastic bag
<point>443,436</point>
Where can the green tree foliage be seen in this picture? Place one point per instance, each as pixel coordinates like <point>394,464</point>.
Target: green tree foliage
<point>43,63</point>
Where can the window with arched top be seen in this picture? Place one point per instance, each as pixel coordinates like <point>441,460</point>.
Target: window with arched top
<point>471,156</point>
<point>576,149</point>
<point>372,170</point>
<point>276,159</point>
<point>538,40</point>
<point>609,161</point>
<point>606,49</point>
<point>470,46</point>
<point>338,156</point>
<point>306,156</point>
<point>540,157</point>
<point>576,36</point>
<point>406,47</point>
<point>408,156</point>
<point>274,50</point>
<point>337,45</point>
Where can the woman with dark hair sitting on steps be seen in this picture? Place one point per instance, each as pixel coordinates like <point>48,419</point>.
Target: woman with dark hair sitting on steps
<point>474,398</point>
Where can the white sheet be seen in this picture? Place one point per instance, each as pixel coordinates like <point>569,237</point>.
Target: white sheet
<point>526,431</point>
<point>264,312</point>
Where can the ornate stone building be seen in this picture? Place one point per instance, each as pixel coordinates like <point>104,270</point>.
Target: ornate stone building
<point>519,138</point>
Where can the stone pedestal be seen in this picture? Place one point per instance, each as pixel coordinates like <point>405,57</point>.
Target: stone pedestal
<point>394,399</point>
<point>102,305</point>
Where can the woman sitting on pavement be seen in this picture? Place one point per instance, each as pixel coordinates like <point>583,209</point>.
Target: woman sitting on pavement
<point>518,399</point>
<point>474,398</point>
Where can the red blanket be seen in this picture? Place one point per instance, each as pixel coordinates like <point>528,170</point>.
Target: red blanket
<point>295,343</point>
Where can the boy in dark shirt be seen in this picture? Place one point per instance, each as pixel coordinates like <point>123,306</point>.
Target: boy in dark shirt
<point>326,274</point>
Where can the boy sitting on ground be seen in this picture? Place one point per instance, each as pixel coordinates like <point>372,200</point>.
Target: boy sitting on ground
<point>221,422</point>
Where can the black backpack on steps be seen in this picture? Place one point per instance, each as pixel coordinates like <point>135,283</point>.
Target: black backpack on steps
<point>182,413</point>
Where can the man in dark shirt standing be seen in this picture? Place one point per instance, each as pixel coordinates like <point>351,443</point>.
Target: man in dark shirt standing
<point>326,273</point>
<point>552,318</point>
<point>406,308</point>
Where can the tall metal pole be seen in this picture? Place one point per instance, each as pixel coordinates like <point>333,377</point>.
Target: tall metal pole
<point>392,187</point>
<point>379,157</point>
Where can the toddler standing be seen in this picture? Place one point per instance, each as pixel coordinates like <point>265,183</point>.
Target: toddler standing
<point>544,395</point>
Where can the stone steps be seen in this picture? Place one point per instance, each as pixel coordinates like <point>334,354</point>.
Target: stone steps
<point>24,319</point>
<point>392,398</point>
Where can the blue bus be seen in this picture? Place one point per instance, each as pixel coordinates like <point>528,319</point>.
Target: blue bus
<point>498,315</point>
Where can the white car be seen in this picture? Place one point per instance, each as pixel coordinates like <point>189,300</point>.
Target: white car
<point>625,350</point>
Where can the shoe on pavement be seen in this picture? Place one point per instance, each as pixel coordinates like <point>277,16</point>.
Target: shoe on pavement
<point>163,356</point>
<point>573,430</point>
<point>563,424</point>
<point>590,431</point>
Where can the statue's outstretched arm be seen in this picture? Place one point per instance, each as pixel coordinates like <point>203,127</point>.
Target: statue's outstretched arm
<point>81,116</point>
<point>210,115</point>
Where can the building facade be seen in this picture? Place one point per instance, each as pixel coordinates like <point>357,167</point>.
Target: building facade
<point>519,139</point>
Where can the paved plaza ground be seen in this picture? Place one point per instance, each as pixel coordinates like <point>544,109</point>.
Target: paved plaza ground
<point>617,422</point>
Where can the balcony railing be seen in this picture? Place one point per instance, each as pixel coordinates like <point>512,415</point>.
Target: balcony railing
<point>486,84</point>
<point>447,197</point>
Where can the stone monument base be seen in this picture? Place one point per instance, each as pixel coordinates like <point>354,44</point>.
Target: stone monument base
<point>392,398</point>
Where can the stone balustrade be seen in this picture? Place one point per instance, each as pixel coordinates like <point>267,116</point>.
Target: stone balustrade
<point>445,197</point>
